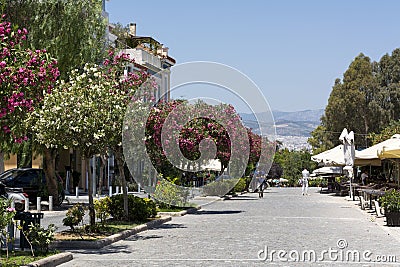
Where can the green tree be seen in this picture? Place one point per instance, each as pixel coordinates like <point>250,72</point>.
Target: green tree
<point>386,133</point>
<point>86,113</point>
<point>354,103</point>
<point>319,140</point>
<point>293,162</point>
<point>72,31</point>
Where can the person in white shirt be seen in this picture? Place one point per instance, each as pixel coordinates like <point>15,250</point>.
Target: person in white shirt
<point>306,176</point>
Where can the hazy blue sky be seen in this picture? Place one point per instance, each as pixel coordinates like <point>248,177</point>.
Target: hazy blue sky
<point>293,50</point>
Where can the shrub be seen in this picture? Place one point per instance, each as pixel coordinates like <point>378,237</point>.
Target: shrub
<point>101,207</point>
<point>391,201</point>
<point>74,216</point>
<point>219,188</point>
<point>139,208</point>
<point>6,215</point>
<point>167,194</point>
<point>39,237</point>
<point>319,182</point>
<point>240,185</point>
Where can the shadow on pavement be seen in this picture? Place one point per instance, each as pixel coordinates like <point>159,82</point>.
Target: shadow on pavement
<point>170,226</point>
<point>106,250</point>
<point>202,212</point>
<point>140,237</point>
<point>242,198</point>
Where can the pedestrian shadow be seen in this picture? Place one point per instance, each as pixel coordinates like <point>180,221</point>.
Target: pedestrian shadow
<point>206,212</point>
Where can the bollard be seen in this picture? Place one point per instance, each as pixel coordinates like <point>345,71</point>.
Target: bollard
<point>110,191</point>
<point>50,203</point>
<point>127,189</point>
<point>117,190</point>
<point>26,204</point>
<point>97,195</point>
<point>38,204</point>
<point>76,192</point>
<point>138,188</point>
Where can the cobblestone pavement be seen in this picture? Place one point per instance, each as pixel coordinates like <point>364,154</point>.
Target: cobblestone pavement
<point>239,232</point>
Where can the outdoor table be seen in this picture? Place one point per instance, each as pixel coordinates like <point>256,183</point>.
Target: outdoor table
<point>373,193</point>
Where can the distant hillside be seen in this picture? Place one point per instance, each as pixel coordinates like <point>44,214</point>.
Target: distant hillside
<point>304,115</point>
<point>299,123</point>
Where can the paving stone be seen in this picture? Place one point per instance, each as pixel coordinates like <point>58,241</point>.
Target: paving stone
<point>233,232</point>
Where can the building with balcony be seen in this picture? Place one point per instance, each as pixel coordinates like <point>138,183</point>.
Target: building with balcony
<point>150,56</point>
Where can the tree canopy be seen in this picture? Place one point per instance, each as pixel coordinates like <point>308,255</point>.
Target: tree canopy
<point>72,31</point>
<point>365,101</point>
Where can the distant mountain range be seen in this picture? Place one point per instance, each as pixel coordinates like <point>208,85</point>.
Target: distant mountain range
<point>298,123</point>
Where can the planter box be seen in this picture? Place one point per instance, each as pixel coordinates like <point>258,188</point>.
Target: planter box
<point>392,218</point>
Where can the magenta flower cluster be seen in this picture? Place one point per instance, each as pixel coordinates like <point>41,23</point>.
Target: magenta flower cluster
<point>25,75</point>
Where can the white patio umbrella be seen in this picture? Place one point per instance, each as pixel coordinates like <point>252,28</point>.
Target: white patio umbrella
<point>328,170</point>
<point>371,155</point>
<point>331,157</point>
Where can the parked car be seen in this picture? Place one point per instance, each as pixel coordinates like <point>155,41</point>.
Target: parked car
<point>32,181</point>
<point>16,194</point>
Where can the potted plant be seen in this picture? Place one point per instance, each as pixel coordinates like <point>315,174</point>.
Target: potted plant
<point>391,203</point>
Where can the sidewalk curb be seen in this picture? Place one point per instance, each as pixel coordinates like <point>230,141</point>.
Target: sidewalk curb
<point>180,213</point>
<point>110,239</point>
<point>191,210</point>
<point>51,261</point>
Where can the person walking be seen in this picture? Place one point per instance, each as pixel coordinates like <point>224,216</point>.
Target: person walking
<point>261,180</point>
<point>306,176</point>
<point>364,177</point>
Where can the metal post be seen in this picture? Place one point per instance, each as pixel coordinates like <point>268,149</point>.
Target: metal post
<point>117,189</point>
<point>67,182</point>
<point>138,189</point>
<point>38,204</point>
<point>110,191</point>
<point>26,204</point>
<point>94,174</point>
<point>50,203</point>
<point>108,172</point>
<point>76,192</point>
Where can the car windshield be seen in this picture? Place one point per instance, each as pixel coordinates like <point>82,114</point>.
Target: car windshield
<point>9,175</point>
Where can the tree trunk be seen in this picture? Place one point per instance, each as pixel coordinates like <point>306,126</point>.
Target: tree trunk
<point>90,192</point>
<point>50,173</point>
<point>121,162</point>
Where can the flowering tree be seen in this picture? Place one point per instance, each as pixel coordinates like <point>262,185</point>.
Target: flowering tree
<point>71,30</point>
<point>87,112</point>
<point>219,124</point>
<point>25,76</point>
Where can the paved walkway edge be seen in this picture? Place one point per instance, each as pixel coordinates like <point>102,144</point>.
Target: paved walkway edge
<point>110,239</point>
<point>51,261</point>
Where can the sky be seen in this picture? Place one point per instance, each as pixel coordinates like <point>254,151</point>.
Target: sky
<point>292,50</point>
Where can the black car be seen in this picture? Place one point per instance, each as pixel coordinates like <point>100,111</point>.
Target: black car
<point>32,181</point>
